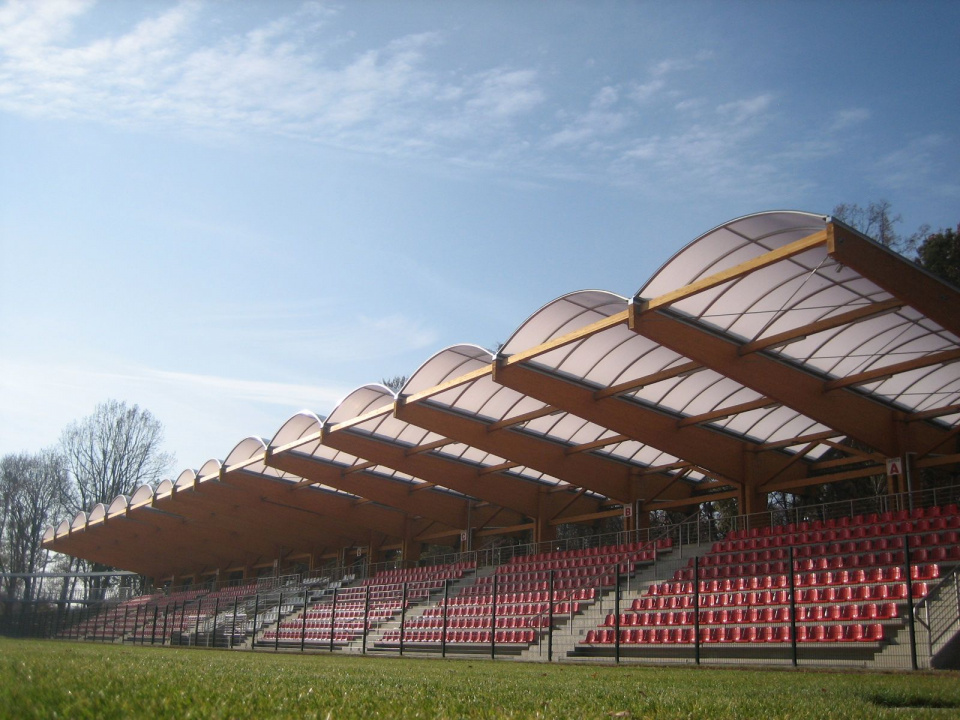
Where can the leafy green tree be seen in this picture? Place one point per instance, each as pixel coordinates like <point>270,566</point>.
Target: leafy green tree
<point>940,254</point>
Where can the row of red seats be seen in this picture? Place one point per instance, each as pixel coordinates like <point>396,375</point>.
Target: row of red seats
<point>310,636</point>
<point>506,586</point>
<point>586,571</point>
<point>397,587</point>
<point>846,547</point>
<point>919,513</point>
<point>764,581</point>
<point>429,572</point>
<point>660,544</point>
<point>468,623</point>
<point>506,637</point>
<point>801,538</point>
<point>235,591</point>
<point>535,596</point>
<point>812,613</point>
<point>314,624</point>
<point>325,613</point>
<point>644,556</point>
<point>736,634</point>
<point>831,594</point>
<point>561,608</point>
<point>920,569</point>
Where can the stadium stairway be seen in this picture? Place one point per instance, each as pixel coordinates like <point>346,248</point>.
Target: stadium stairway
<point>570,633</point>
<point>375,638</point>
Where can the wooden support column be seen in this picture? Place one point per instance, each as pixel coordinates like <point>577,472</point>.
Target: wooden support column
<point>411,548</point>
<point>641,517</point>
<point>630,522</point>
<point>543,531</point>
<point>750,499</point>
<point>374,553</point>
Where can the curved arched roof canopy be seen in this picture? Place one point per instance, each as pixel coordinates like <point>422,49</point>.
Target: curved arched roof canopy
<point>759,347</point>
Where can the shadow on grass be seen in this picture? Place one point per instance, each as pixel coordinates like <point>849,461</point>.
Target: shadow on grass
<point>910,700</point>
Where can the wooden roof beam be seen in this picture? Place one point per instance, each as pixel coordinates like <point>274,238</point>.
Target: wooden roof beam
<point>920,289</point>
<point>221,505</point>
<point>881,373</point>
<point>604,476</point>
<point>717,452</point>
<point>848,412</point>
<point>339,511</point>
<point>434,468</point>
<point>438,506</point>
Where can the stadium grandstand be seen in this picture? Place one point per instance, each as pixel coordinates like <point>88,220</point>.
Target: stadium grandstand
<point>647,478</point>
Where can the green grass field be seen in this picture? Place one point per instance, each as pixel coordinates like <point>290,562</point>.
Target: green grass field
<point>50,679</point>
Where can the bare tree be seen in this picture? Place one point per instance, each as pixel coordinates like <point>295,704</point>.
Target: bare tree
<point>112,452</point>
<point>878,221</point>
<point>33,495</point>
<point>875,220</point>
<point>395,383</point>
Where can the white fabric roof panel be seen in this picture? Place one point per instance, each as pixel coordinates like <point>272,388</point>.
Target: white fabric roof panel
<point>483,398</point>
<point>802,289</point>
<point>593,361</point>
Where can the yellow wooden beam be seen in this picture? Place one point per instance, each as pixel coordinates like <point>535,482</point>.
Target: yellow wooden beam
<point>733,273</point>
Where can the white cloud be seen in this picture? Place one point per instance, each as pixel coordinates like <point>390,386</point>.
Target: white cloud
<point>740,111</point>
<point>276,78</point>
<point>205,415</point>
<point>26,24</point>
<point>299,75</point>
<point>847,118</point>
<point>915,164</point>
<point>602,118</point>
<point>643,92</point>
<point>258,391</point>
<point>501,94</point>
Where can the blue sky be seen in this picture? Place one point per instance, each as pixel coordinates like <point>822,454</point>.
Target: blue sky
<point>227,212</point>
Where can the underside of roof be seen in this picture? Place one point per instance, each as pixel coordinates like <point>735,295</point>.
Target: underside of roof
<point>760,347</point>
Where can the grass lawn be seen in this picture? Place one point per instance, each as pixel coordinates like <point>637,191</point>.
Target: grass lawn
<point>49,679</point>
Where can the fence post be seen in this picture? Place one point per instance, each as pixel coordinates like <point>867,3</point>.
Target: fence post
<point>233,625</point>
<point>616,616</point>
<point>911,620</point>
<point>696,609</point>
<point>276,637</point>
<point>196,623</point>
<point>178,628</point>
<point>333,615</point>
<point>446,600</point>
<point>256,608</point>
<point>303,624</point>
<point>493,621</point>
<point>366,619</point>
<point>793,610</point>
<point>550,622</point>
<point>213,632</point>
<point>403,615</point>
